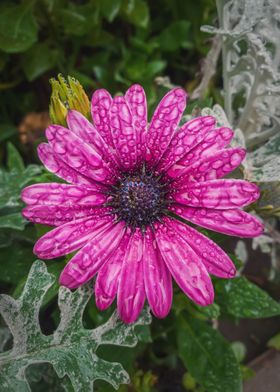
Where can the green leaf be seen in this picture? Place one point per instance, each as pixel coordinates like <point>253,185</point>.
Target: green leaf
<point>71,349</point>
<point>11,183</point>
<point>208,356</point>
<point>79,19</point>
<point>7,131</point>
<point>138,14</point>
<point>239,350</point>
<point>240,298</point>
<point>37,60</point>
<point>15,262</point>
<point>182,303</point>
<point>176,35</point>
<point>110,9</point>
<point>153,68</point>
<point>18,28</point>
<point>274,342</point>
<point>14,161</point>
<point>12,221</point>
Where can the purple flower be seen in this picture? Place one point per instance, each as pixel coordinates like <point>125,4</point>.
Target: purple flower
<point>127,182</point>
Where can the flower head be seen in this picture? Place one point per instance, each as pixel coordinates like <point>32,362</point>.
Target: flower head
<point>128,181</point>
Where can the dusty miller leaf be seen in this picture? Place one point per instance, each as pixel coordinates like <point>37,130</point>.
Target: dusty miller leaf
<point>251,75</point>
<point>71,348</point>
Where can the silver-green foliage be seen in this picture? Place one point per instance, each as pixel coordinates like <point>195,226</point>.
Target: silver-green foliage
<point>71,349</point>
<point>251,76</point>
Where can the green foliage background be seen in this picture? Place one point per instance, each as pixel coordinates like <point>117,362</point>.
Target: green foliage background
<point>101,42</point>
<point>111,44</point>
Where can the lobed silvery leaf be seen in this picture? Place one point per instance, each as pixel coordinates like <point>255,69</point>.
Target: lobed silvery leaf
<point>251,63</point>
<point>71,349</point>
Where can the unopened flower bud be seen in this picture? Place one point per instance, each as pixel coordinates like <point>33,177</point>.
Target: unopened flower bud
<point>67,94</point>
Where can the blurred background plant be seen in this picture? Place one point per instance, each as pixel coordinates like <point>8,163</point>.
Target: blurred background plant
<point>232,74</point>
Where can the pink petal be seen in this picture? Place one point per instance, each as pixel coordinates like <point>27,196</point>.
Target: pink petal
<point>100,106</point>
<point>71,236</point>
<point>107,281</point>
<point>131,291</point>
<point>157,278</point>
<point>123,133</point>
<point>214,141</point>
<point>210,167</point>
<point>136,100</point>
<point>55,165</point>
<point>78,155</point>
<point>65,194</point>
<point>86,263</point>
<point>56,215</point>
<point>220,194</point>
<point>185,265</point>
<point>78,124</point>
<point>232,222</point>
<point>188,136</point>
<point>212,256</point>
<point>164,123</point>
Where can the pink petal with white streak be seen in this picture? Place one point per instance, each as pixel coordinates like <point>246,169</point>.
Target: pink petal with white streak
<point>211,167</point>
<point>123,133</point>
<point>185,265</point>
<point>86,263</point>
<point>65,194</point>
<point>187,137</point>
<point>56,215</point>
<point>136,100</point>
<point>71,236</point>
<point>220,194</point>
<point>55,165</point>
<point>212,256</point>
<point>164,123</point>
<point>214,141</point>
<point>79,155</point>
<point>78,124</point>
<point>157,278</point>
<point>100,106</point>
<point>231,222</point>
<point>131,291</point>
<point>107,281</point>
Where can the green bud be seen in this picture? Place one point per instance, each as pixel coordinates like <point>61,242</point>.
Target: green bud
<point>188,382</point>
<point>67,94</point>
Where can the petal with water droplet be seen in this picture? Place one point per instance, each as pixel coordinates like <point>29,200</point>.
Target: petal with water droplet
<point>157,278</point>
<point>100,106</point>
<point>107,281</point>
<point>212,256</point>
<point>164,123</point>
<point>185,265</point>
<point>220,194</point>
<point>231,222</point>
<point>131,291</point>
<point>86,263</point>
<point>79,155</point>
<point>70,236</point>
<point>185,139</point>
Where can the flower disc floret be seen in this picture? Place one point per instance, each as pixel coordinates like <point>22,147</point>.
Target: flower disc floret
<point>139,198</point>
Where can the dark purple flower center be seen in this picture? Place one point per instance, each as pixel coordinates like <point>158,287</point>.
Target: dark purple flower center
<point>139,198</point>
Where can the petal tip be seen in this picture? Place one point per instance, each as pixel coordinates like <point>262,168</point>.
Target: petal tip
<point>67,280</point>
<point>102,302</point>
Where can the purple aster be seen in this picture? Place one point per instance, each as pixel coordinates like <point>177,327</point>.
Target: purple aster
<point>128,181</point>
